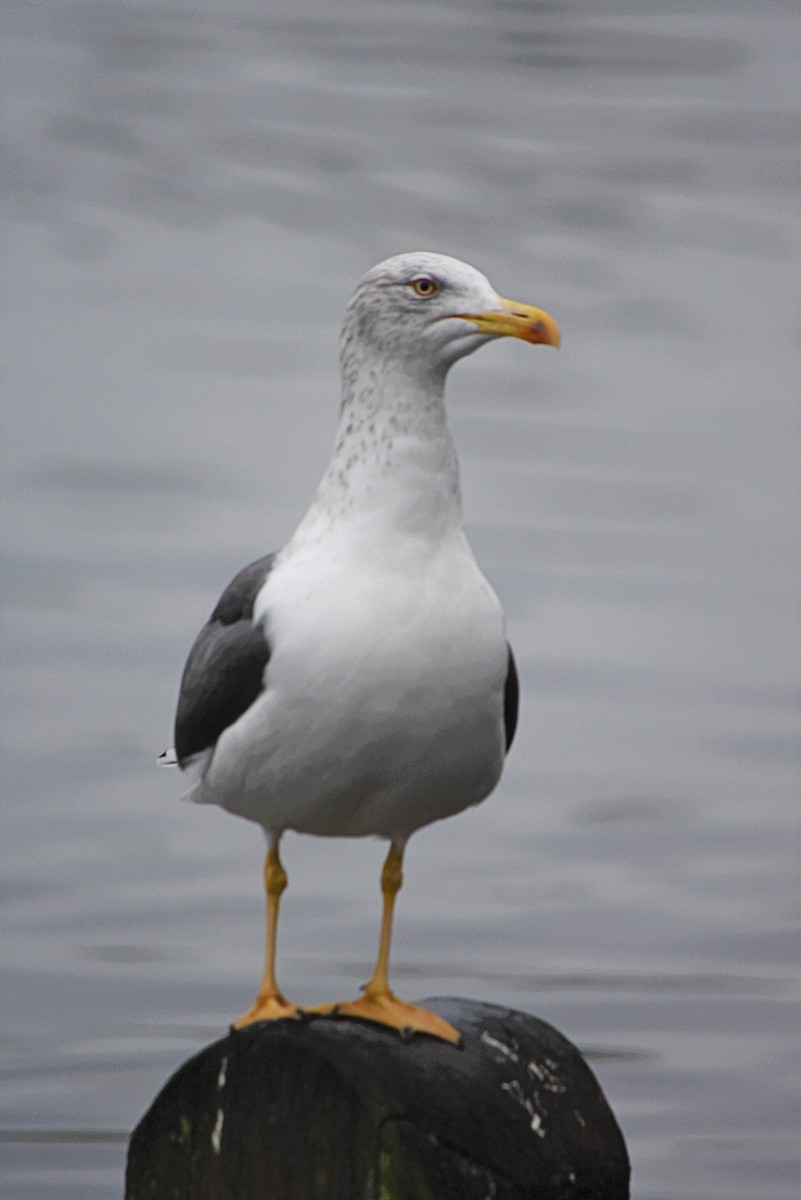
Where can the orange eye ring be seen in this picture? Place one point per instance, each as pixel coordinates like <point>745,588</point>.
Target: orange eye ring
<point>424,286</point>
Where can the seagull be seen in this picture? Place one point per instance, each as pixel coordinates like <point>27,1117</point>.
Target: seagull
<point>359,682</point>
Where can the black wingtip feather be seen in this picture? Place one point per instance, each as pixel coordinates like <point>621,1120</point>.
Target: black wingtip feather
<point>224,672</point>
<point>511,699</point>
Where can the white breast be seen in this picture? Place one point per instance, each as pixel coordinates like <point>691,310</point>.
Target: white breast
<point>383,705</point>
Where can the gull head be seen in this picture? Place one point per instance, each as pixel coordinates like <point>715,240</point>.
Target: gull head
<point>420,312</point>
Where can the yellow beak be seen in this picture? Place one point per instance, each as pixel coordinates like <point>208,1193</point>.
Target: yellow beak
<point>511,319</point>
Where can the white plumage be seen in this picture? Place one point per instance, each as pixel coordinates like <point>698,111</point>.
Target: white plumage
<point>383,700</point>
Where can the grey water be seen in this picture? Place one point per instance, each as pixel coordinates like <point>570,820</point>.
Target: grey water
<point>191,191</point>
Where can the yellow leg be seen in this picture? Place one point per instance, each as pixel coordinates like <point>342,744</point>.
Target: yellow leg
<point>270,1003</point>
<point>379,1003</point>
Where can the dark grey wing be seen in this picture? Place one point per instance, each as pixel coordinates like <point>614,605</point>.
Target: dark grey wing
<point>224,673</point>
<point>511,699</point>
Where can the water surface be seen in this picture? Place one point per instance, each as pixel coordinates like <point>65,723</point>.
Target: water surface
<point>192,191</point>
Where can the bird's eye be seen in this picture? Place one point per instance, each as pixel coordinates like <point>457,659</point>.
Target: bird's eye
<point>424,286</point>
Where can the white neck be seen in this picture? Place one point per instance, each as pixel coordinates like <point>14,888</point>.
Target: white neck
<point>393,465</point>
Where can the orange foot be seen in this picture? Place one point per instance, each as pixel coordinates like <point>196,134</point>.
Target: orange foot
<point>271,1007</point>
<point>384,1008</point>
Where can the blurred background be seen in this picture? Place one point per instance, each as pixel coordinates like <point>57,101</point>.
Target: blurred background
<point>192,191</point>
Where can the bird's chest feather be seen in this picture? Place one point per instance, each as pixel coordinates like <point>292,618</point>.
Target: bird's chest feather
<point>359,633</point>
<point>383,700</point>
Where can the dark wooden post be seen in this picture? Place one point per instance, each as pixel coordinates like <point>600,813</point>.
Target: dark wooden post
<point>327,1109</point>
